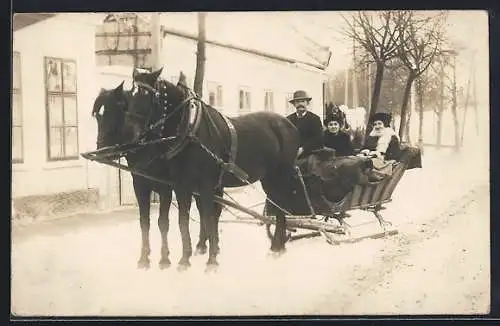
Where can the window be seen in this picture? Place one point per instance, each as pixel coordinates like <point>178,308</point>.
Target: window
<point>268,100</point>
<point>289,106</point>
<point>245,100</point>
<point>214,94</point>
<point>17,120</point>
<point>62,121</point>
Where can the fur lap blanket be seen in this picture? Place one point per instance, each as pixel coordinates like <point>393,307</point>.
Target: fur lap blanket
<point>332,177</point>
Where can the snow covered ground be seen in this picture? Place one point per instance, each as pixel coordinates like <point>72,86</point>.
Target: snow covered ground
<point>438,263</point>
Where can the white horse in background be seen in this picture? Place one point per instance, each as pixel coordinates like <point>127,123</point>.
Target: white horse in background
<point>357,121</point>
<point>356,117</point>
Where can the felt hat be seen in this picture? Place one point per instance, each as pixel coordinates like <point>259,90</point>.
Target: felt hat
<point>300,95</point>
<point>333,117</point>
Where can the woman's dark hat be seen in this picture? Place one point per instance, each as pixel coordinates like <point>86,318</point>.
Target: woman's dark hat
<point>300,95</point>
<point>332,117</point>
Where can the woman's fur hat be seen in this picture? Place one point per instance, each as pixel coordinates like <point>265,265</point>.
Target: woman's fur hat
<point>381,116</point>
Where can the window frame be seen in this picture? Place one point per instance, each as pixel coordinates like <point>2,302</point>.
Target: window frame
<point>269,101</point>
<point>16,55</point>
<point>247,99</point>
<point>62,94</point>
<point>218,91</point>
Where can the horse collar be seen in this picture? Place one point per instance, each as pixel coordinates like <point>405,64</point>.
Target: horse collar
<point>195,112</point>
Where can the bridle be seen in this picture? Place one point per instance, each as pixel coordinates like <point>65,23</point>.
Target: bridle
<point>192,116</point>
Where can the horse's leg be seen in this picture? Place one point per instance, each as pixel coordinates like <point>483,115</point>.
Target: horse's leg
<point>163,225</point>
<point>210,222</point>
<point>184,202</point>
<point>217,212</point>
<point>201,247</point>
<point>274,188</point>
<point>143,193</point>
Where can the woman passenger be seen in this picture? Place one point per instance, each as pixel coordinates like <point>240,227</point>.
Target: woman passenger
<point>336,138</point>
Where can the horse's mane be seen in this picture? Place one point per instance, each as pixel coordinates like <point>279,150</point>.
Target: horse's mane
<point>99,101</point>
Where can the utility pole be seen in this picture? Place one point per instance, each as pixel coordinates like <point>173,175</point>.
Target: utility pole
<point>156,41</point>
<point>474,88</point>
<point>466,105</point>
<point>454,103</point>
<point>200,55</point>
<point>441,104</point>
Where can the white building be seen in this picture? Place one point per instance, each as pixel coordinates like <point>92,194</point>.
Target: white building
<point>53,91</point>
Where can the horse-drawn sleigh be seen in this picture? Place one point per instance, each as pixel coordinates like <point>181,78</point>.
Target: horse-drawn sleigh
<point>174,142</point>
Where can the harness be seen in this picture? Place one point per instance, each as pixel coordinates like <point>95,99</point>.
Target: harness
<point>188,135</point>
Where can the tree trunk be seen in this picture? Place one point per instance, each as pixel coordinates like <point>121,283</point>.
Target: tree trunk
<point>404,106</point>
<point>200,56</point>
<point>440,110</point>
<point>420,116</point>
<point>408,127</point>
<point>377,87</point>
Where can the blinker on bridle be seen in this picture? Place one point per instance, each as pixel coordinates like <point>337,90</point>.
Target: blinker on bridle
<point>157,96</point>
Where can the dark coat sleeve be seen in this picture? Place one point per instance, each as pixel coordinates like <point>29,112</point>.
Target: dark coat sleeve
<point>315,140</point>
<point>347,145</point>
<point>371,143</point>
<point>393,150</point>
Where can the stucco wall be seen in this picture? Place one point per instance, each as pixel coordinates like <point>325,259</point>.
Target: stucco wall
<point>233,68</point>
<point>61,38</point>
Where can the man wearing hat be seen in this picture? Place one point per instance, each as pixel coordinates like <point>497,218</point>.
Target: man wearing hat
<point>308,124</point>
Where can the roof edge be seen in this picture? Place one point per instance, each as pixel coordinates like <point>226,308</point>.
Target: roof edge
<point>169,31</point>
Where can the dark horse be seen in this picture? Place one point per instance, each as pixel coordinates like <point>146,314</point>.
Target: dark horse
<point>261,144</point>
<point>116,124</point>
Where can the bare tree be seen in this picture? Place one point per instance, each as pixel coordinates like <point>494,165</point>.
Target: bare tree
<point>431,95</point>
<point>420,105</point>
<point>419,45</point>
<point>200,55</point>
<point>456,124</point>
<point>448,91</point>
<point>378,34</point>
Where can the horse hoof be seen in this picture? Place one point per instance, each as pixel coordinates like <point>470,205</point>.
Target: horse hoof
<point>143,264</point>
<point>211,268</point>
<point>183,266</point>
<point>277,253</point>
<point>164,263</point>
